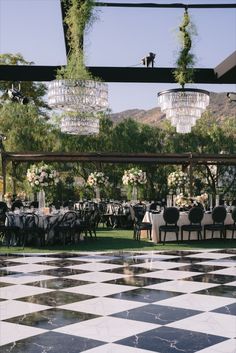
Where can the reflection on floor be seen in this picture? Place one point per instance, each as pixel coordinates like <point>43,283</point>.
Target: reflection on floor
<point>126,302</point>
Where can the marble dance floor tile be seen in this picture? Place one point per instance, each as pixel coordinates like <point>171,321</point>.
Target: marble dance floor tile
<point>119,302</point>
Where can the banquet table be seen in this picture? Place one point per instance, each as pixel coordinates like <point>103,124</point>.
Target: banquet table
<point>157,220</point>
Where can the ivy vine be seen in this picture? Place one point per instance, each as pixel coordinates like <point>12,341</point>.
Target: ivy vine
<point>79,15</point>
<point>184,72</point>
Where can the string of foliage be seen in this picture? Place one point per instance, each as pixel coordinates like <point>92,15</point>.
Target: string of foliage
<point>79,15</point>
<point>184,72</point>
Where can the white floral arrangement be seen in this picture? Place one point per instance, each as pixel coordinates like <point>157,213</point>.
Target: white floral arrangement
<point>41,176</point>
<point>177,179</point>
<point>183,201</point>
<point>97,179</point>
<point>21,196</point>
<point>134,176</point>
<point>8,196</point>
<point>203,198</point>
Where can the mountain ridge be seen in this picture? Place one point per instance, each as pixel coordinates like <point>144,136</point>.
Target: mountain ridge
<point>219,106</point>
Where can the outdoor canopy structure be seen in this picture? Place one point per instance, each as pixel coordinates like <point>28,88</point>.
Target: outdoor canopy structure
<point>223,73</point>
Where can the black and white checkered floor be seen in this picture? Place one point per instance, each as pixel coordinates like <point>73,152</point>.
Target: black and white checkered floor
<point>162,301</point>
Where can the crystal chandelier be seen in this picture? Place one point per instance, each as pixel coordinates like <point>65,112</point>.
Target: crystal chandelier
<point>80,101</point>
<point>75,93</point>
<point>183,107</point>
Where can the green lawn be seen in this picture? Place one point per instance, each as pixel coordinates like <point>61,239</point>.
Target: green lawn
<point>121,240</point>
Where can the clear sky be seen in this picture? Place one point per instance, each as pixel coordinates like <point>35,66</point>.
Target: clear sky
<point>120,37</point>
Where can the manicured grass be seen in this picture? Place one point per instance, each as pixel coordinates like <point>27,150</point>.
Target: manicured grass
<point>122,240</point>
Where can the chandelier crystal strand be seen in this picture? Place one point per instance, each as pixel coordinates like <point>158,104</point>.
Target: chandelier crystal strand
<point>183,106</point>
<point>81,101</point>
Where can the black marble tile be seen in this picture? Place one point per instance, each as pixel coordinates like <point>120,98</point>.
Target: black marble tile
<point>180,252</point>
<point>184,259</point>
<point>145,295</point>
<point>51,342</point>
<point>129,270</point>
<point>124,261</point>
<point>137,281</point>
<point>211,278</point>
<point>222,291</point>
<point>58,283</point>
<point>156,314</point>
<point>10,263</point>
<point>198,268</point>
<point>228,309</point>
<point>63,255</point>
<point>55,298</point>
<point>60,272</point>
<point>226,251</point>
<point>52,318</point>
<point>7,272</point>
<point>171,340</point>
<point>3,284</point>
<point>61,262</point>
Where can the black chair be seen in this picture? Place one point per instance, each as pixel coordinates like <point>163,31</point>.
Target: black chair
<point>11,231</point>
<point>32,230</point>
<point>195,217</point>
<point>232,227</point>
<point>17,204</point>
<point>137,214</point>
<point>65,227</point>
<point>87,223</point>
<point>218,217</point>
<point>171,217</point>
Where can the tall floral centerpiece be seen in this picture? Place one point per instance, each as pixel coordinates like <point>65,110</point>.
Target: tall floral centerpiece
<point>97,180</point>
<point>133,178</point>
<point>42,177</point>
<point>177,181</point>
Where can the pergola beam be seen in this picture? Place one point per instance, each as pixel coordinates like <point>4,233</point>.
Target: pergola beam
<point>173,5</point>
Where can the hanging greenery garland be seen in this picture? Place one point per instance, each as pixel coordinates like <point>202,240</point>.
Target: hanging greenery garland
<point>184,72</point>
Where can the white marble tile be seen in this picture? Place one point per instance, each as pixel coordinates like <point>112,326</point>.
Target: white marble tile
<point>107,329</point>
<point>13,308</point>
<point>196,302</point>
<point>231,271</point>
<point>20,291</point>
<point>102,306</point>
<point>13,332</point>
<point>220,262</point>
<point>231,283</point>
<point>92,258</point>
<point>182,286</point>
<point>99,289</point>
<point>210,255</point>
<point>162,265</point>
<point>117,348</point>
<point>96,276</point>
<point>94,266</point>
<point>170,274</point>
<point>208,322</point>
<point>30,268</point>
<point>32,259</point>
<point>228,346</point>
<point>24,278</point>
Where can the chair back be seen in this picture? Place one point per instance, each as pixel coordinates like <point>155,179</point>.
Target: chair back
<point>196,215</point>
<point>219,214</point>
<point>31,220</point>
<point>68,219</point>
<point>171,215</point>
<point>233,214</point>
<point>139,211</point>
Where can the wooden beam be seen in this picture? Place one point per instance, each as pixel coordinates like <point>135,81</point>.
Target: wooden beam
<point>173,5</point>
<point>135,158</point>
